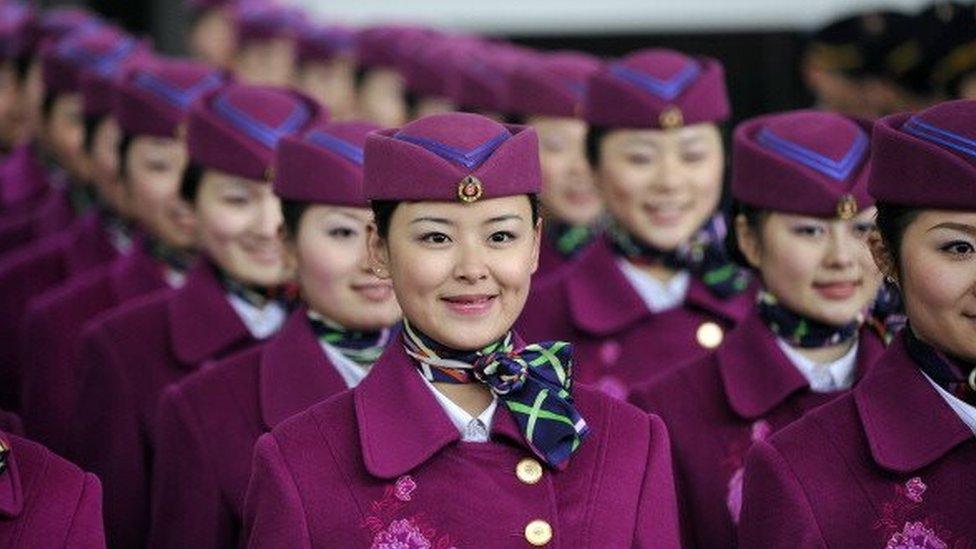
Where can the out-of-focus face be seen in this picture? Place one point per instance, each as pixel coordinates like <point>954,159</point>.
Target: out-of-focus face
<point>334,272</point>
<point>212,38</point>
<point>154,169</point>
<point>266,62</point>
<point>819,268</point>
<point>967,88</point>
<point>835,91</point>
<point>568,191</point>
<point>937,278</point>
<point>461,272</point>
<point>382,98</point>
<point>104,162</point>
<point>661,185</point>
<point>427,106</point>
<point>8,105</point>
<point>239,226</point>
<point>64,134</point>
<point>333,84</point>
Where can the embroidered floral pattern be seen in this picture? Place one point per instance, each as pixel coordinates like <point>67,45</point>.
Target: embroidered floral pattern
<point>915,536</point>
<point>914,489</point>
<point>760,430</point>
<point>394,527</point>
<point>401,534</point>
<point>404,487</point>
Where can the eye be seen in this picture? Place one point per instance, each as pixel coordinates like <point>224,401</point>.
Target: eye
<point>342,232</point>
<point>434,238</point>
<point>501,237</point>
<point>638,158</point>
<point>236,199</point>
<point>864,228</point>
<point>808,230</point>
<point>692,156</point>
<point>958,248</point>
<point>157,166</point>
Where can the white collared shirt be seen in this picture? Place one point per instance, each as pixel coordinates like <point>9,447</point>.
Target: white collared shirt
<point>472,429</point>
<point>261,322</point>
<point>659,296</point>
<point>351,372</point>
<point>965,411</point>
<point>837,375</point>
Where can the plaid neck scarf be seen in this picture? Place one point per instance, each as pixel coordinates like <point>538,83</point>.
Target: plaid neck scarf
<point>177,260</point>
<point>800,331</point>
<point>534,383</point>
<point>887,315</point>
<point>287,295</point>
<point>569,239</point>
<point>703,255</point>
<point>956,377</point>
<point>363,348</point>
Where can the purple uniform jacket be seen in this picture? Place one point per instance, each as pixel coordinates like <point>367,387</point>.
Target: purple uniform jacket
<point>23,181</point>
<point>888,465</point>
<point>52,330</point>
<point>717,407</point>
<point>383,466</point>
<point>209,423</point>
<point>126,358</point>
<point>551,260</point>
<point>10,423</point>
<point>48,216</point>
<point>46,502</point>
<point>617,341</point>
<point>27,273</point>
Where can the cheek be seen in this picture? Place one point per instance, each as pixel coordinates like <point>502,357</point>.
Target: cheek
<point>927,287</point>
<point>220,227</point>
<point>788,266</point>
<point>324,264</point>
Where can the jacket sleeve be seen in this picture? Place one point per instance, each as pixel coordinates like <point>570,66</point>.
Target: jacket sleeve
<point>775,509</point>
<point>87,530</point>
<point>188,508</point>
<point>107,440</point>
<point>273,512</point>
<point>47,396</point>
<point>657,514</point>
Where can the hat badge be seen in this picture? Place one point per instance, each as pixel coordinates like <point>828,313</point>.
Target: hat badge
<point>671,118</point>
<point>470,189</point>
<point>846,207</point>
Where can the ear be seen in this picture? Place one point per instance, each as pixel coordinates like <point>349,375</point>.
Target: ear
<point>882,256</point>
<point>378,251</point>
<point>749,241</point>
<point>536,244</point>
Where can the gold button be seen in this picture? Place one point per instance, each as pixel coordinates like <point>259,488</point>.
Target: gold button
<point>529,471</point>
<point>710,335</point>
<point>538,533</point>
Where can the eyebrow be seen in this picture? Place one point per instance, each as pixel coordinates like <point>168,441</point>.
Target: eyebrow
<point>961,227</point>
<point>439,220</point>
<point>444,221</point>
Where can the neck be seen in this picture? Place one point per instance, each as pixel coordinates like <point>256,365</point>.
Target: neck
<point>657,272</point>
<point>823,355</point>
<point>473,398</point>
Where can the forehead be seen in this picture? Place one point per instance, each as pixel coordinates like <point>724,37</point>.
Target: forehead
<point>463,213</point>
<point>227,180</point>
<point>696,132</point>
<point>928,219</point>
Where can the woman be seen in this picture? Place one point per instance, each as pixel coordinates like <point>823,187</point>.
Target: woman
<point>893,464</point>
<point>548,94</point>
<point>232,299</point>
<point>327,68</point>
<point>422,452</point>
<point>212,419</point>
<point>657,291</point>
<point>800,179</point>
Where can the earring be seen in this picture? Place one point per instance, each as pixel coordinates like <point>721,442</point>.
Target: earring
<point>890,279</point>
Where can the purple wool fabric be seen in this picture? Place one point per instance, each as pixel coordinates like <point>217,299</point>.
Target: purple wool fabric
<point>325,165</point>
<point>430,68</point>
<point>324,43</point>
<point>382,463</point>
<point>552,85</point>
<point>926,159</point>
<point>155,95</point>
<point>888,465</point>
<point>99,50</point>
<point>716,408</point>
<point>57,23</point>
<point>211,421</point>
<point>483,75</point>
<point>236,128</point>
<point>18,30</point>
<point>47,502</point>
<point>431,158</point>
<point>657,89</point>
<point>380,46</point>
<point>803,162</point>
<point>258,20</point>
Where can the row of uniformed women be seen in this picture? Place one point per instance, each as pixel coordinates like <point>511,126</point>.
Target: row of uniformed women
<point>457,241</point>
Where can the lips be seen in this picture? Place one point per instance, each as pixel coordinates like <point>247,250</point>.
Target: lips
<point>837,291</point>
<point>667,214</point>
<point>377,292</point>
<point>266,255</point>
<point>470,304</point>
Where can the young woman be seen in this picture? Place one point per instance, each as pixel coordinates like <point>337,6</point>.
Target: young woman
<point>266,42</point>
<point>232,298</point>
<point>211,36</point>
<point>150,103</point>
<point>212,419</point>
<point>381,97</point>
<point>461,435</point>
<point>657,291</point>
<point>893,464</point>
<point>548,94</point>
<point>800,179</point>
<point>327,68</point>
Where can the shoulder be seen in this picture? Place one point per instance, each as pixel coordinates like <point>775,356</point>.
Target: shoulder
<point>225,387</point>
<point>138,312</point>
<point>51,483</point>
<point>75,291</point>
<point>682,390</point>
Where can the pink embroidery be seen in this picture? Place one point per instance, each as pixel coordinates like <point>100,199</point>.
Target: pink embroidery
<point>915,536</point>
<point>760,430</point>
<point>401,534</point>
<point>612,386</point>
<point>610,352</point>
<point>404,487</point>
<point>914,489</point>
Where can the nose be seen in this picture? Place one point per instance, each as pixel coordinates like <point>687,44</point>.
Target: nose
<point>842,249</point>
<point>470,266</point>
<point>668,178</point>
<point>269,218</point>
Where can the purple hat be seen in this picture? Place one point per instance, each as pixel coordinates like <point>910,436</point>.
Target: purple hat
<point>59,22</point>
<point>453,156</point>
<point>98,87</point>
<point>155,95</point>
<point>381,46</point>
<point>262,20</point>
<point>657,89</point>
<point>553,85</point>
<point>429,69</point>
<point>325,165</point>
<point>18,29</point>
<point>235,129</point>
<point>318,43</point>
<point>99,50</point>
<point>803,162</point>
<point>203,5</point>
<point>483,77</point>
<point>927,159</point>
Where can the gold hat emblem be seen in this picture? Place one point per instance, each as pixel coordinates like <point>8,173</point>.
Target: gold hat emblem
<point>671,118</point>
<point>847,207</point>
<point>470,189</point>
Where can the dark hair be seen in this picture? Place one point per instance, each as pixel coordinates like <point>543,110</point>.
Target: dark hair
<point>47,103</point>
<point>91,125</point>
<point>292,211</point>
<point>755,217</point>
<point>360,76</point>
<point>594,136</point>
<point>125,143</point>
<point>190,182</point>
<point>383,212</point>
<point>22,65</point>
<point>892,220</point>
